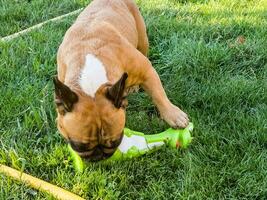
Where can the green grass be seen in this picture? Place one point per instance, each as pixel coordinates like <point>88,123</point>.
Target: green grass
<point>17,15</point>
<point>220,82</point>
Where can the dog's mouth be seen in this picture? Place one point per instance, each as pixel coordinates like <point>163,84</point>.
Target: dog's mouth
<point>98,153</point>
<point>85,154</point>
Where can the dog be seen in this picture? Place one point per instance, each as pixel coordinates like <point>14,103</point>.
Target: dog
<point>103,56</point>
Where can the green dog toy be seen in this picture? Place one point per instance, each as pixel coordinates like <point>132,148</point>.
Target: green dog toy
<point>135,144</point>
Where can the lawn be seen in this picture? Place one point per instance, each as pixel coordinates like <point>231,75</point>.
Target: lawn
<point>211,57</point>
<point>17,15</point>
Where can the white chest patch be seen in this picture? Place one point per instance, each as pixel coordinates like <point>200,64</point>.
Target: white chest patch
<point>93,75</point>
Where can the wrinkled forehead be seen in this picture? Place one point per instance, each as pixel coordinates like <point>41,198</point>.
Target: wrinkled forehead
<point>80,127</point>
<point>91,121</point>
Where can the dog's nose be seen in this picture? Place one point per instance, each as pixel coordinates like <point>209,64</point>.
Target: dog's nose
<point>78,146</point>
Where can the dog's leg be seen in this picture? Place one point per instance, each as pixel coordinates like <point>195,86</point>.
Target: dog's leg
<point>173,115</point>
<point>142,45</point>
<point>150,81</point>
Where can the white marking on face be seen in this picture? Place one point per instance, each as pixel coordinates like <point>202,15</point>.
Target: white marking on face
<point>93,75</point>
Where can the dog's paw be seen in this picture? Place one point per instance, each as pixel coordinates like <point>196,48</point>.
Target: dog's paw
<point>175,117</point>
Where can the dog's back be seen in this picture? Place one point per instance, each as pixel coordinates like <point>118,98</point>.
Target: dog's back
<point>107,14</point>
<point>102,23</point>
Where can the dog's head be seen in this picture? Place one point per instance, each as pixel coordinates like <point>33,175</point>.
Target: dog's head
<point>92,126</point>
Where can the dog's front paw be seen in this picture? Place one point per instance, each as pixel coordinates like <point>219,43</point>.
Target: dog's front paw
<point>175,117</point>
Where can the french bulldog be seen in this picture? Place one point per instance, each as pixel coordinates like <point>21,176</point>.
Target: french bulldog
<point>102,58</point>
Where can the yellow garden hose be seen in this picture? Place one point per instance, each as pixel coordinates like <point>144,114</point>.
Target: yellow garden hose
<point>38,184</point>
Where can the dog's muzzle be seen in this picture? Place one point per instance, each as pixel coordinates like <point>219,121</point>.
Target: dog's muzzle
<point>99,152</point>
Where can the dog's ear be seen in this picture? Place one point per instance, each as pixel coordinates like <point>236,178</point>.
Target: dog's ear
<point>65,98</point>
<point>115,92</point>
